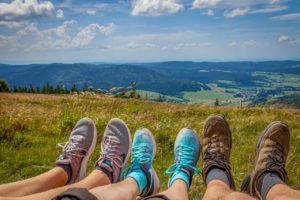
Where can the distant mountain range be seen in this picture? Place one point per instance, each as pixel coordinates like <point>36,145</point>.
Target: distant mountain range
<point>169,78</point>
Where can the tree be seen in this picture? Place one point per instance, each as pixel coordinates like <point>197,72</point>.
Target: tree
<point>74,89</point>
<point>4,87</point>
<point>217,103</point>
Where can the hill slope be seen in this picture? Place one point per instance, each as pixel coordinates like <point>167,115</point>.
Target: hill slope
<point>32,125</point>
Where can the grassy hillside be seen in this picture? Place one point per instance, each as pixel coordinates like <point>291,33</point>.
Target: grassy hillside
<point>32,125</point>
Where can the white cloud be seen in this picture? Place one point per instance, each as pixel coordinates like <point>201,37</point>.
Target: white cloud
<point>235,12</point>
<point>232,44</point>
<point>24,9</point>
<point>274,1</point>
<point>192,45</point>
<point>296,41</point>
<point>13,25</point>
<point>250,43</point>
<point>270,9</point>
<point>132,45</point>
<point>155,7</point>
<point>66,36</point>
<point>205,3</point>
<point>60,14</point>
<point>91,12</point>
<point>209,12</point>
<point>283,38</point>
<point>292,16</point>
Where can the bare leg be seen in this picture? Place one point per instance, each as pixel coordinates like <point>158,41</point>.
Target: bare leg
<point>95,179</point>
<point>178,191</point>
<point>125,190</point>
<point>54,178</point>
<point>283,192</point>
<point>218,190</point>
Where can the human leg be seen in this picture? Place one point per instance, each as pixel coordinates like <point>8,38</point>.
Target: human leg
<point>70,166</point>
<point>115,151</point>
<point>216,144</point>
<point>267,179</point>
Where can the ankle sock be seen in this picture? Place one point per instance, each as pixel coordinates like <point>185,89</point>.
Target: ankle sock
<point>217,173</point>
<point>180,175</point>
<point>267,181</point>
<point>140,177</point>
<point>67,169</point>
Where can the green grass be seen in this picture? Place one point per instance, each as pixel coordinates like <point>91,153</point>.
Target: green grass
<point>31,126</point>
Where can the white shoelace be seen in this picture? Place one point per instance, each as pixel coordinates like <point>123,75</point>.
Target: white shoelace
<point>72,147</point>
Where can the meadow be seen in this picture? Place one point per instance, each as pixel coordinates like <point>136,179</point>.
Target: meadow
<point>31,125</point>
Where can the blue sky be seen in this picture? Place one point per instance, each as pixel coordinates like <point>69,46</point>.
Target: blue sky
<point>69,31</point>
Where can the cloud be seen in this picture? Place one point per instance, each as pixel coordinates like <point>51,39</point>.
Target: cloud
<point>14,25</point>
<point>235,12</point>
<point>274,1</point>
<point>250,43</point>
<point>91,12</point>
<point>205,3</point>
<point>66,36</point>
<point>192,45</point>
<point>25,9</point>
<point>283,38</point>
<point>296,41</point>
<point>209,12</point>
<point>60,14</point>
<point>132,45</point>
<point>292,16</point>
<point>232,44</point>
<point>270,9</point>
<point>155,7</point>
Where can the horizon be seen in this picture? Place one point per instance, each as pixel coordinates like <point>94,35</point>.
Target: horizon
<point>127,31</point>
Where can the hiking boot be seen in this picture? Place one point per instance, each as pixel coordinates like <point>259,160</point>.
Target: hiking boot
<point>186,156</point>
<point>115,150</point>
<point>141,169</point>
<point>271,152</point>
<point>216,144</point>
<point>77,151</point>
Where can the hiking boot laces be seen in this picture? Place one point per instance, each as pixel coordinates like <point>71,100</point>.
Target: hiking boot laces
<point>275,160</point>
<point>216,156</point>
<point>183,160</point>
<point>73,147</point>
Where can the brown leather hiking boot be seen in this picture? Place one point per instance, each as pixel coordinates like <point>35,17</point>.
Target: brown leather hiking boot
<point>216,144</point>
<point>271,152</point>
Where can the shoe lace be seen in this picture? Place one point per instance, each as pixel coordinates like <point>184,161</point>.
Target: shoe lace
<point>183,160</point>
<point>111,152</point>
<point>215,155</point>
<point>141,155</point>
<point>74,147</point>
<point>276,159</point>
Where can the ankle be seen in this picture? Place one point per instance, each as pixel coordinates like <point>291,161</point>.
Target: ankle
<point>140,178</point>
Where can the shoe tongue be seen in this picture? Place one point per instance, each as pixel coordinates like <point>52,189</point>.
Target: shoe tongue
<point>106,164</point>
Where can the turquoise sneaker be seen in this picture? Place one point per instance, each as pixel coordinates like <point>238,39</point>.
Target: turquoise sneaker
<point>186,156</point>
<point>141,169</point>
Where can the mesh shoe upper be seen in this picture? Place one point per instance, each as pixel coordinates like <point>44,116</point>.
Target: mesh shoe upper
<point>78,149</point>
<point>115,148</point>
<point>186,155</point>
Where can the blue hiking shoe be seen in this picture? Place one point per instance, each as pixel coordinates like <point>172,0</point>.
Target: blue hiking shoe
<point>186,156</point>
<point>141,169</point>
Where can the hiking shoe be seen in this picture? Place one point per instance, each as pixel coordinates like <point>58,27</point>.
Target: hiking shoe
<point>186,156</point>
<point>216,144</point>
<point>141,169</point>
<point>271,152</point>
<point>77,151</point>
<point>115,150</point>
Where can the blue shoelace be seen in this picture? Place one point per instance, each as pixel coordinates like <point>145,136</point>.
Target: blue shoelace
<point>140,155</point>
<point>183,159</point>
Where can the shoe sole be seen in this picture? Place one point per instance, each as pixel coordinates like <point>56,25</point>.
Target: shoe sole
<point>85,160</point>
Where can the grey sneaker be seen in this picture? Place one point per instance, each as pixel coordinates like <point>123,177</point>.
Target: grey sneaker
<point>77,151</point>
<point>115,150</point>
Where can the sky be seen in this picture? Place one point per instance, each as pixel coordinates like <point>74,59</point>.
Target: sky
<point>119,31</point>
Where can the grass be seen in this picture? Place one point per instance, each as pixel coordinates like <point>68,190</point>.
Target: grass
<point>32,124</point>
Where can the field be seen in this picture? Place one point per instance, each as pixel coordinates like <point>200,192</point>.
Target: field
<point>31,126</point>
